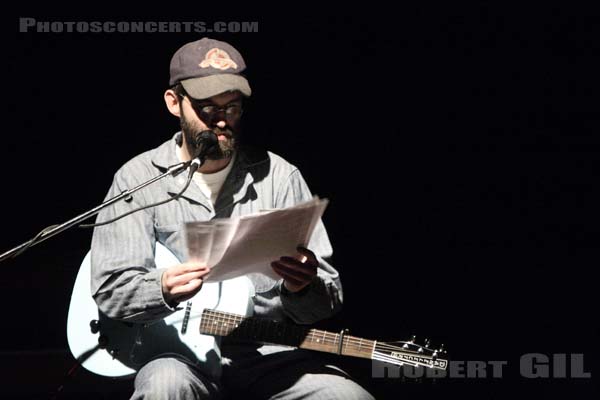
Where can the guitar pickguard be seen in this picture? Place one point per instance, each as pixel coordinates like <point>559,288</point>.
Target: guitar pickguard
<point>119,349</point>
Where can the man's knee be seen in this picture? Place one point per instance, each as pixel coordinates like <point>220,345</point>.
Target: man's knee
<point>337,387</point>
<point>170,378</point>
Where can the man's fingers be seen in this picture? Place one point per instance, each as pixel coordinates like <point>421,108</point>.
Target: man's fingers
<point>189,288</point>
<point>307,255</point>
<point>298,275</point>
<point>183,279</point>
<point>189,267</point>
<point>179,285</point>
<point>281,272</point>
<point>294,264</point>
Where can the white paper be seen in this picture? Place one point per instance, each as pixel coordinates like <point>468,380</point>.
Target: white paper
<point>238,246</point>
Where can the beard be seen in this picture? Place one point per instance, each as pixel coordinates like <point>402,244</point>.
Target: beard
<point>225,148</point>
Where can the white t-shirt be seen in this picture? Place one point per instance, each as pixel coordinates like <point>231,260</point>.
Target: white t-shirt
<point>210,184</point>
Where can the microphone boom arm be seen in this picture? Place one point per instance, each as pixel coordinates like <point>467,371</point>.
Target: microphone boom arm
<point>56,229</point>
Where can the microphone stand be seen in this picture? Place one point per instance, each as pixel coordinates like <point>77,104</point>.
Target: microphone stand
<point>56,229</point>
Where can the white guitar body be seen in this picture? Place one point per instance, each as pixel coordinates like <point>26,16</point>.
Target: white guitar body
<point>119,349</point>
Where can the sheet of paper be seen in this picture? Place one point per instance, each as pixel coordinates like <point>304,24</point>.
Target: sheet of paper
<point>238,246</point>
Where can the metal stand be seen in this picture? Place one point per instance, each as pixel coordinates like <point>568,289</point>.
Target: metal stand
<point>46,234</point>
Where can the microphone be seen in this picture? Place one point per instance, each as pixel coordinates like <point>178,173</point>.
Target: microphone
<point>205,144</point>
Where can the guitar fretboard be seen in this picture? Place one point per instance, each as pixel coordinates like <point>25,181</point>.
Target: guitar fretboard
<point>270,331</point>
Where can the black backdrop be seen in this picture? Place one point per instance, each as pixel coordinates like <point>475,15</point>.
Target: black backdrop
<point>459,150</point>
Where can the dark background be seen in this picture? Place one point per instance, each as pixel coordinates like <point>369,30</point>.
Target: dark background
<point>459,149</point>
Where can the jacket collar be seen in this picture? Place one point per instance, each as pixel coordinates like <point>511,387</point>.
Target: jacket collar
<point>240,177</point>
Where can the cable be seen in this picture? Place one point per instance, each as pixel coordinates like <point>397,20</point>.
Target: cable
<point>195,163</point>
<point>33,241</point>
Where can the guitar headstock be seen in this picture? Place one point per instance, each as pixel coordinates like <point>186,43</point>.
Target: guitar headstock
<point>411,353</point>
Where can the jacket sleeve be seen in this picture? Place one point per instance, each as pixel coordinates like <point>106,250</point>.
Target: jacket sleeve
<point>323,297</point>
<point>125,282</point>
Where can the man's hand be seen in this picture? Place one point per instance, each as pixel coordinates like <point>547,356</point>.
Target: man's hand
<point>181,282</point>
<point>297,272</point>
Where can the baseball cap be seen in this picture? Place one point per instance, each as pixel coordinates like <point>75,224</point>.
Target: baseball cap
<point>208,67</point>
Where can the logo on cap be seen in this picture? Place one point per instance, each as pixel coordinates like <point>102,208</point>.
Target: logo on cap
<point>218,59</point>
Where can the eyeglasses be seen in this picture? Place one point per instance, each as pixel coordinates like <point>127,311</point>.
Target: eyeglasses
<point>208,112</point>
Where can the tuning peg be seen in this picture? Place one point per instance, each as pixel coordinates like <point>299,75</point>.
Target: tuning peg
<point>420,350</point>
<point>95,326</point>
<point>427,342</point>
<point>441,349</point>
<point>413,338</point>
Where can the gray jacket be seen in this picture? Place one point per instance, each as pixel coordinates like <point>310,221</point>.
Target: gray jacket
<point>126,284</point>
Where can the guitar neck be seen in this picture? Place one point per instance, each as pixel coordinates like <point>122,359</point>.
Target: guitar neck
<point>270,331</point>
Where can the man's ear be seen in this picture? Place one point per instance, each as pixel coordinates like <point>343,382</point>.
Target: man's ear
<point>172,102</point>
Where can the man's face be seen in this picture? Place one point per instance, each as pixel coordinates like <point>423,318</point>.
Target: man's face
<point>220,113</point>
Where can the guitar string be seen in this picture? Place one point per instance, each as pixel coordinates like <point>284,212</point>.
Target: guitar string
<point>390,359</point>
<point>334,337</point>
<point>329,338</point>
<point>236,319</point>
<point>374,352</point>
<point>350,342</point>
